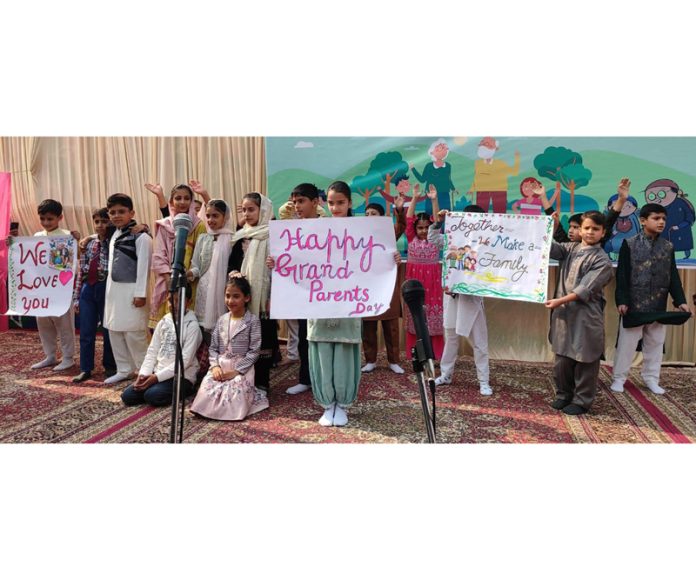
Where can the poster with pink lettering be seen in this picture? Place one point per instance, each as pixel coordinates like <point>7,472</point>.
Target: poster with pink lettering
<point>41,275</point>
<point>332,267</point>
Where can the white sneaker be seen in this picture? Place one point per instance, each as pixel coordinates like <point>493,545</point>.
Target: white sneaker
<point>655,388</point>
<point>42,364</point>
<point>486,390</point>
<point>617,386</point>
<point>396,368</point>
<point>443,380</point>
<point>117,378</point>
<point>66,363</point>
<point>297,389</point>
<point>369,367</point>
<point>340,418</point>
<point>327,419</point>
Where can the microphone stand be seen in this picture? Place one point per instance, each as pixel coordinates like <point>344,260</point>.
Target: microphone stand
<point>419,367</point>
<point>176,431</point>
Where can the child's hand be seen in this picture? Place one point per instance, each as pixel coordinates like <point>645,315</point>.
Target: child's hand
<point>240,216</point>
<point>82,244</point>
<point>155,188</point>
<point>76,308</point>
<point>198,188</point>
<point>554,303</point>
<point>75,234</point>
<point>139,228</point>
<point>624,188</point>
<point>441,215</point>
<point>217,373</point>
<point>432,192</point>
<point>399,202</point>
<point>556,220</point>
<point>230,375</point>
<point>8,241</point>
<point>685,308</point>
<point>416,190</point>
<point>146,383</point>
<point>138,302</point>
<point>622,308</point>
<point>189,276</point>
<point>270,262</point>
<point>397,257</point>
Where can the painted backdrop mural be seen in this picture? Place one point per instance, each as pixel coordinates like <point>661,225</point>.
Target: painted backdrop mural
<point>500,174</point>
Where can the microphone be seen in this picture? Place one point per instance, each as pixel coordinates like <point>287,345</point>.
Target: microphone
<point>183,224</point>
<point>413,294</point>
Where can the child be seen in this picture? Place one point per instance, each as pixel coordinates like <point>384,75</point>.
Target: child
<point>162,201</point>
<point>646,274</point>
<point>125,315</point>
<point>209,263</point>
<point>155,382</point>
<point>464,315</point>
<point>390,318</point>
<point>180,201</point>
<point>305,198</point>
<point>577,320</point>
<point>227,391</point>
<point>52,327</point>
<point>530,203</point>
<point>423,264</point>
<point>334,343</point>
<point>89,295</point>
<point>249,253</point>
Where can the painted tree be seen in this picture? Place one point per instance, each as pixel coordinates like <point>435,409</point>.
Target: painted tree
<point>366,185</point>
<point>564,166</point>
<point>386,168</point>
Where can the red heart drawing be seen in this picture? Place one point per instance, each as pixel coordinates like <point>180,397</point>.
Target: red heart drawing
<point>65,276</point>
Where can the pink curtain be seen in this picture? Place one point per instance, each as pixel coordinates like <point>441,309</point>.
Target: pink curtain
<point>4,231</point>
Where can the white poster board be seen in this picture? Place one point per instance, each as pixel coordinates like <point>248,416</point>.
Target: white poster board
<point>497,255</point>
<point>41,275</point>
<point>332,267</point>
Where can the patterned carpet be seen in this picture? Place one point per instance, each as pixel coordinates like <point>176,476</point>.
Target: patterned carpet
<point>45,407</point>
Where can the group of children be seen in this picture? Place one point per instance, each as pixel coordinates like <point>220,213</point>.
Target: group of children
<point>230,343</point>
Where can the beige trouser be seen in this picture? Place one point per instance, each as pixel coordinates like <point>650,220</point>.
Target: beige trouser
<point>653,336</point>
<point>129,349</point>
<point>53,327</point>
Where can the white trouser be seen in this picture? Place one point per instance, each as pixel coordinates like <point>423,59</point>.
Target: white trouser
<point>478,338</point>
<point>52,327</point>
<point>653,336</point>
<point>129,349</point>
<point>293,337</point>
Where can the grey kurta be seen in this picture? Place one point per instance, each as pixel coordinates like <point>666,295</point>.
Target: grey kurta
<point>577,328</point>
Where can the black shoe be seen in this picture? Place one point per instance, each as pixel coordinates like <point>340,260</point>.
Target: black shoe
<point>574,410</point>
<point>82,377</point>
<point>558,404</point>
<point>109,372</point>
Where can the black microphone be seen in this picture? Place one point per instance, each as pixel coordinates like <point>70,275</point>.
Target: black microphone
<point>414,296</point>
<point>183,224</point>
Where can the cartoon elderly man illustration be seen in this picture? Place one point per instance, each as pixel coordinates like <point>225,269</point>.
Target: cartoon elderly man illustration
<point>491,177</point>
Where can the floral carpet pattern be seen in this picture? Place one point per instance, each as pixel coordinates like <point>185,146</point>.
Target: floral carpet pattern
<point>46,407</point>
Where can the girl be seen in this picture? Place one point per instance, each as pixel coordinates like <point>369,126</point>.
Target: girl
<point>209,264</point>
<point>577,320</point>
<point>227,391</point>
<point>423,264</point>
<point>180,201</point>
<point>249,253</point>
<point>334,343</point>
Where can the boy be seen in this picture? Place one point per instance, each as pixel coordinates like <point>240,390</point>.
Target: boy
<point>51,327</point>
<point>577,320</point>
<point>464,315</point>
<point>390,318</point>
<point>155,382</point>
<point>88,298</point>
<point>646,273</point>
<point>305,203</point>
<point>125,315</point>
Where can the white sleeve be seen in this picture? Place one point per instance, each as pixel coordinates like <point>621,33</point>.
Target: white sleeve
<point>196,259</point>
<point>148,366</point>
<point>143,249</point>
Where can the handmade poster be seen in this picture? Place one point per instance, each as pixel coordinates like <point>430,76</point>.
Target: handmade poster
<point>41,275</point>
<point>495,173</point>
<point>332,267</point>
<point>497,255</point>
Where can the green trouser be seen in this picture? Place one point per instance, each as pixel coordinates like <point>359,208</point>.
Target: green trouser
<point>335,371</point>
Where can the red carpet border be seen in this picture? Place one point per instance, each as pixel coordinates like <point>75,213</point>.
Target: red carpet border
<point>45,407</point>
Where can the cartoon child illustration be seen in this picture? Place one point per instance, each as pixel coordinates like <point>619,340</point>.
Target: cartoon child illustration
<point>451,257</point>
<point>530,204</point>
<point>473,258</point>
<point>462,254</point>
<point>627,225</point>
<point>680,213</point>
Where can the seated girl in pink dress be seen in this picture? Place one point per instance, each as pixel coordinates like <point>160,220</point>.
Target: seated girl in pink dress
<point>423,264</point>
<point>228,392</point>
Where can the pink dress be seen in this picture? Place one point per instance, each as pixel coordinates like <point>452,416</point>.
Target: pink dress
<point>424,265</point>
